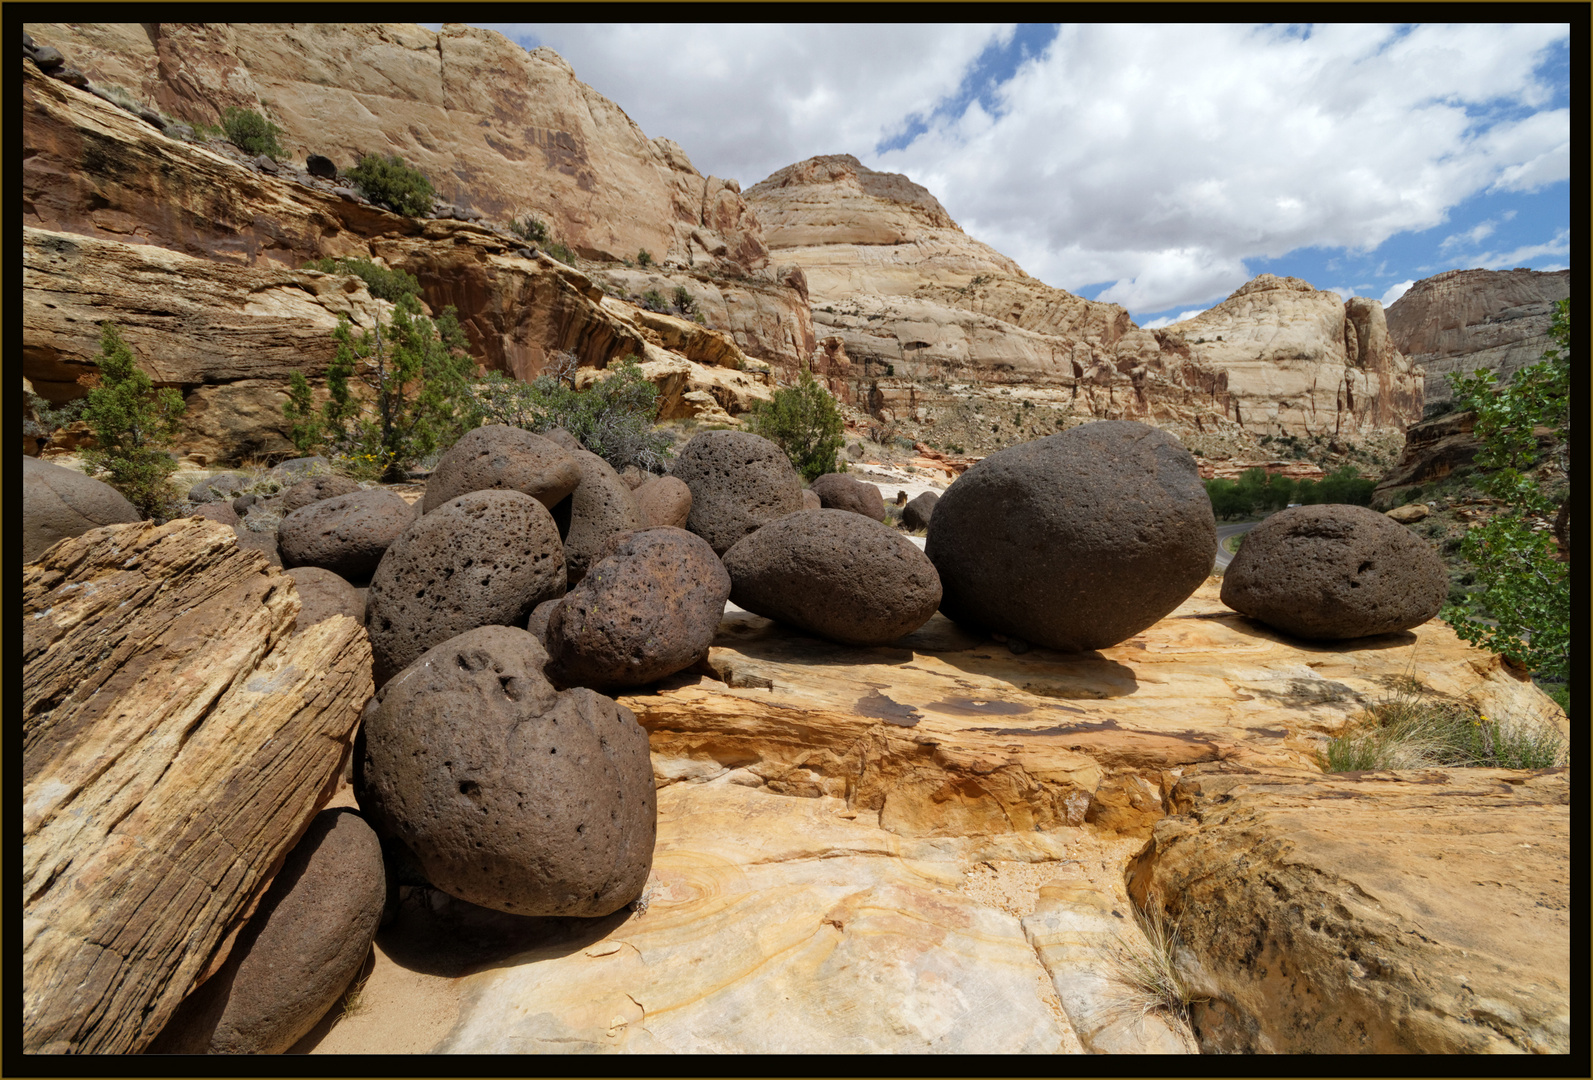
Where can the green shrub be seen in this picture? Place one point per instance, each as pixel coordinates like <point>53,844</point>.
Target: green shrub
<point>47,419</point>
<point>133,425</point>
<point>531,229</point>
<point>559,252</point>
<point>683,301</point>
<point>1523,592</point>
<point>384,284</point>
<point>804,421</point>
<point>251,132</point>
<point>644,258</point>
<point>614,418</point>
<point>390,183</point>
<point>653,300</point>
<point>418,373</point>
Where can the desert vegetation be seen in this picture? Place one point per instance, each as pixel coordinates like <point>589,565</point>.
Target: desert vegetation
<point>804,421</point>
<point>133,424</point>
<point>388,182</point>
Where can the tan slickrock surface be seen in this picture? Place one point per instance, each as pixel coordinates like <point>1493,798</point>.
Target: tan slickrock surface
<point>1417,912</point>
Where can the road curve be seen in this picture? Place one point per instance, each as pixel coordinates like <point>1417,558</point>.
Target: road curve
<point>1224,556</point>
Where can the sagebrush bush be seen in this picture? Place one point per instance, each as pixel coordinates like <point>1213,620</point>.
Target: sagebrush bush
<point>391,183</point>
<point>251,132</point>
<point>384,284</point>
<point>133,425</point>
<point>614,418</point>
<point>804,421</point>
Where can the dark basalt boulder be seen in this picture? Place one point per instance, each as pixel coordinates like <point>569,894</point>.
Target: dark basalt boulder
<point>1333,572</point>
<point>836,574</point>
<point>298,953</point>
<point>739,483</point>
<point>837,491</point>
<point>323,594</point>
<point>346,534</point>
<point>509,793</point>
<point>648,607</point>
<point>305,492</point>
<point>482,559</point>
<point>1076,541</point>
<point>664,500</point>
<point>496,457</point>
<point>916,514</point>
<point>58,502</point>
<point>601,506</point>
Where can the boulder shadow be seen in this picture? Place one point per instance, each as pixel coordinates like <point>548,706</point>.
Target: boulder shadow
<point>437,934</point>
<point>1252,627</point>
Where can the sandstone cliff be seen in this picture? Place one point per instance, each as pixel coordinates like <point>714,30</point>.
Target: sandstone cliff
<point>952,339</point>
<point>1463,320</point>
<point>1301,362</point>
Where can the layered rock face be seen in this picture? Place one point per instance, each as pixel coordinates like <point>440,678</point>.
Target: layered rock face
<point>1463,320</point>
<point>95,170</point>
<point>1301,362</point>
<point>506,131</point>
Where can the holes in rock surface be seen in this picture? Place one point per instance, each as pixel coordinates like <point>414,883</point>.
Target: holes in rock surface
<point>553,749</point>
<point>469,787</point>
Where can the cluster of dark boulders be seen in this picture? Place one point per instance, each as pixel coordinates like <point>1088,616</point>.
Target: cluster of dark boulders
<point>1335,572</point>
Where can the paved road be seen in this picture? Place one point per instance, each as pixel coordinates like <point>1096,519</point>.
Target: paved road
<point>1224,556</point>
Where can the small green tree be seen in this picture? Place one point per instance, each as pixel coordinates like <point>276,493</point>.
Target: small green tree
<point>644,258</point>
<point>683,300</point>
<point>305,430</point>
<point>1522,593</point>
<point>384,284</point>
<point>391,183</point>
<point>133,425</point>
<point>251,132</point>
<point>418,375</point>
<point>804,421</point>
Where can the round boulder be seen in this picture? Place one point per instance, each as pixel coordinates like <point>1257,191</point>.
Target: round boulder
<point>811,500</point>
<point>835,574</point>
<point>600,506</point>
<point>739,483</point>
<point>1332,572</point>
<point>346,534</point>
<point>497,457</point>
<point>299,952</point>
<point>317,165</point>
<point>560,437</point>
<point>1076,541</point>
<point>648,608</point>
<point>217,511</point>
<point>664,500</point>
<point>314,490</point>
<point>837,491</point>
<point>213,488</point>
<point>322,594</point>
<point>483,559</point>
<point>58,503</point>
<point>511,795</point>
<point>916,514</point>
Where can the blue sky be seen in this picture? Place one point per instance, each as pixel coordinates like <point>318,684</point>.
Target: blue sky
<point>1159,167</point>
